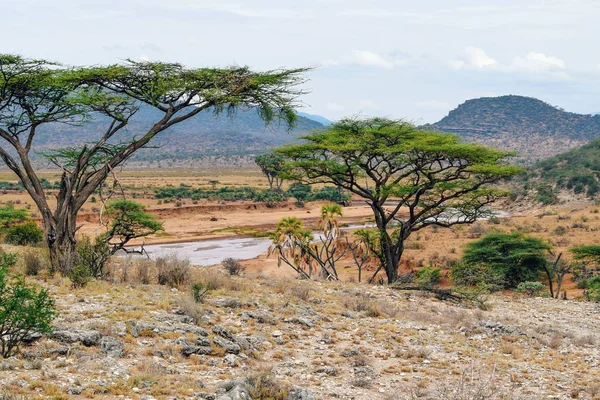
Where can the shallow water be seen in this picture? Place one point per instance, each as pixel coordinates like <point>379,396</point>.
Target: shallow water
<point>213,251</point>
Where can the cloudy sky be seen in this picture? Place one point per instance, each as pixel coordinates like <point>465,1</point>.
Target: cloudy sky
<point>402,59</point>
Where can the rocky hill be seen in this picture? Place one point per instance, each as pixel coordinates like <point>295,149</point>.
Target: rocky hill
<point>531,127</point>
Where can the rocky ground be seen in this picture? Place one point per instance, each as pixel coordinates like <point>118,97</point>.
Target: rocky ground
<point>259,337</point>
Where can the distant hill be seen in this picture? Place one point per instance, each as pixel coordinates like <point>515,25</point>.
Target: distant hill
<point>533,128</point>
<point>205,137</point>
<point>322,120</point>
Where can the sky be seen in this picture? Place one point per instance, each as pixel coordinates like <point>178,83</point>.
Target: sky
<point>414,60</point>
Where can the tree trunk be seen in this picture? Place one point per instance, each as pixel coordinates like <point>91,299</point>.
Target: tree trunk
<point>60,231</point>
<point>392,255</point>
<point>61,243</point>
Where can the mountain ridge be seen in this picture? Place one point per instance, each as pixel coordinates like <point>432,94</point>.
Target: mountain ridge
<point>532,127</point>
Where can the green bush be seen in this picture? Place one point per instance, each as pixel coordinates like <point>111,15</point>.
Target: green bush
<point>26,234</point>
<point>476,275</point>
<point>80,275</point>
<point>93,255</point>
<point>428,276</point>
<point>592,292</point>
<point>515,257</point>
<point>24,309</point>
<point>531,288</point>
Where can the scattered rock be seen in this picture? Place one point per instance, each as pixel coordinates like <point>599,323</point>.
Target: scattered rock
<point>327,370</point>
<point>223,332</point>
<point>228,345</point>
<point>236,389</point>
<point>303,321</point>
<point>85,337</point>
<point>230,302</point>
<point>231,360</point>
<point>298,393</point>
<point>111,347</point>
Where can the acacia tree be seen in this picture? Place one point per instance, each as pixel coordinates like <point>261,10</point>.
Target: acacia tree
<point>432,178</point>
<point>34,93</point>
<point>270,165</point>
<point>128,220</point>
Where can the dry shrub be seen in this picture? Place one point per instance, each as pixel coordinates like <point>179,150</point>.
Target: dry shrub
<point>302,292</point>
<point>361,302</point>
<point>173,270</point>
<point>474,383</point>
<point>213,279</point>
<point>419,352</point>
<point>361,360</point>
<point>264,385</point>
<point>191,308</point>
<point>233,266</point>
<point>144,271</point>
<point>585,340</point>
<point>33,262</point>
<point>556,340</point>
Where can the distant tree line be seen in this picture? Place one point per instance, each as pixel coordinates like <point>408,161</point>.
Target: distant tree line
<point>298,191</point>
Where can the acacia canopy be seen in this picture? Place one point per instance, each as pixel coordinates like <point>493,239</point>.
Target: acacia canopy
<point>410,178</point>
<point>34,93</point>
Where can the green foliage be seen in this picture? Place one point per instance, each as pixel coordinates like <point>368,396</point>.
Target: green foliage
<point>199,292</point>
<point>271,165</point>
<point>37,94</point>
<point>587,253</point>
<point>476,275</point>
<point>546,194</point>
<point>592,290</point>
<point>515,257</point>
<point>434,177</point>
<point>10,216</point>
<point>24,309</point>
<point>80,275</point>
<point>128,220</point>
<point>247,193</point>
<point>576,170</point>
<point>531,289</point>
<point>300,192</point>
<point>25,234</point>
<point>428,276</point>
<point>92,255</point>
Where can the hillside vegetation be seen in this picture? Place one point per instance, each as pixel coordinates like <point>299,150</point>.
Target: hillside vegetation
<point>531,127</point>
<point>576,171</point>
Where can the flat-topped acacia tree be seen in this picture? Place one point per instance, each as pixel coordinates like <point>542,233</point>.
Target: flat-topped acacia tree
<point>34,93</point>
<point>410,178</point>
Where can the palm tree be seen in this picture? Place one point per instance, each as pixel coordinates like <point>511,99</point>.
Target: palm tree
<point>328,222</point>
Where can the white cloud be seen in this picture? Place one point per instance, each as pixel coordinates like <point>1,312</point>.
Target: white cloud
<point>472,58</point>
<point>144,58</point>
<point>370,59</point>
<point>537,63</point>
